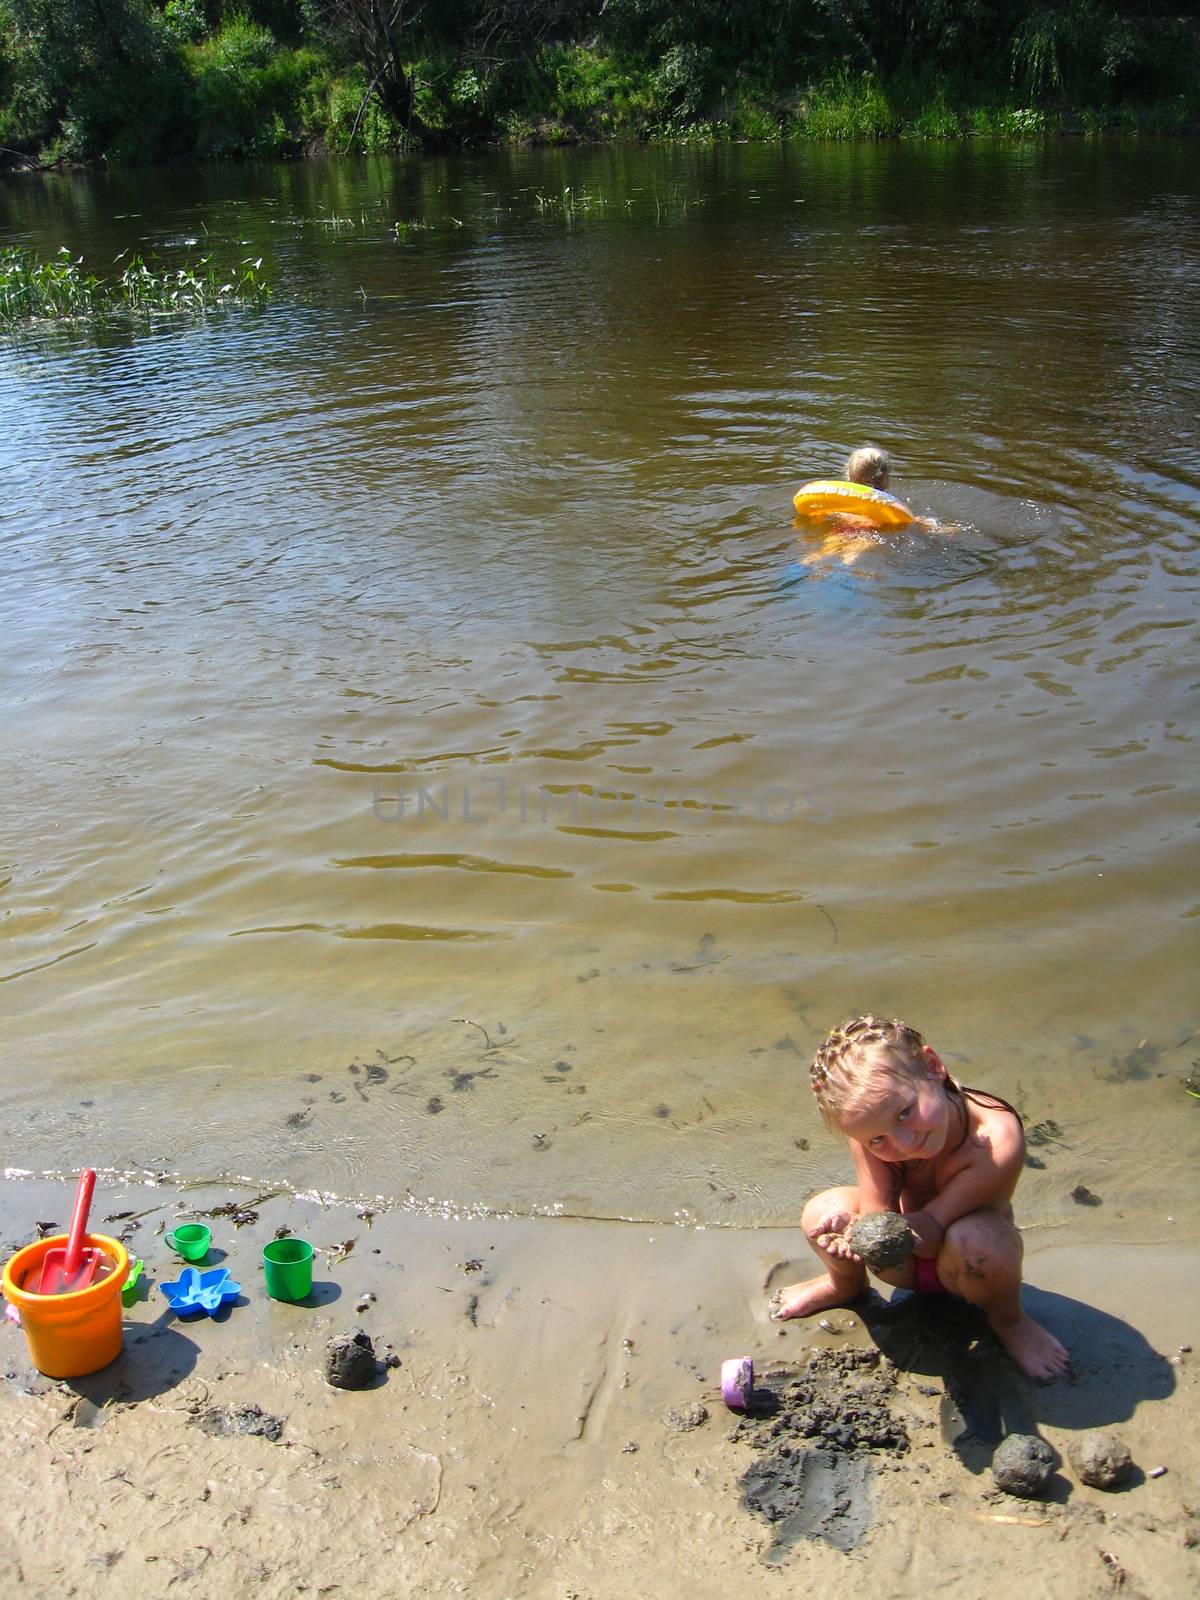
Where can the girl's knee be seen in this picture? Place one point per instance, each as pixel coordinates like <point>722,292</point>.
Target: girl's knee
<point>981,1245</point>
<point>814,1219</point>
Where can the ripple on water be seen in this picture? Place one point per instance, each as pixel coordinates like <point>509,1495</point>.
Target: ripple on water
<point>439,644</point>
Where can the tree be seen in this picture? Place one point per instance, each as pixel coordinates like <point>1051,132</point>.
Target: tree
<point>88,71</point>
<point>382,34</point>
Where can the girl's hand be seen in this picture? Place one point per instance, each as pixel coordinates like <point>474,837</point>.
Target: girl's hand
<point>831,1235</point>
<point>835,1245</point>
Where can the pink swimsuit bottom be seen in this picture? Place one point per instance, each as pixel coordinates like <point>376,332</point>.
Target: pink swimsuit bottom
<point>928,1281</point>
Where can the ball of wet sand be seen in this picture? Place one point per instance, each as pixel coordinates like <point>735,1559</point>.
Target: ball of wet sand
<point>882,1239</point>
<point>1022,1465</point>
<point>1100,1458</point>
<point>350,1361</point>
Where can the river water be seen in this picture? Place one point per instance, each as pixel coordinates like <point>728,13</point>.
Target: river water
<point>433,769</point>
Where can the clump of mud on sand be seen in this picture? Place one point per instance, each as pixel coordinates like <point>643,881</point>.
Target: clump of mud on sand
<point>223,1422</point>
<point>1022,1465</point>
<point>683,1419</point>
<point>817,1431</point>
<point>883,1239</point>
<point>1101,1458</point>
<point>350,1360</point>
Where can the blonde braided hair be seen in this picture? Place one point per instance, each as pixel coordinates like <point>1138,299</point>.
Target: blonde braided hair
<point>864,1048</point>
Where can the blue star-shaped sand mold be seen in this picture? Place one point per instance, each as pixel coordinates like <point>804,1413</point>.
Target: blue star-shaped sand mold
<point>201,1291</point>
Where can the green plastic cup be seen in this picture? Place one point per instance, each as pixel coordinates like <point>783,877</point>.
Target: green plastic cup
<point>288,1267</point>
<point>131,1289</point>
<point>191,1241</point>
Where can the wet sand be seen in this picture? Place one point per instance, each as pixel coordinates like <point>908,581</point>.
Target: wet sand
<point>520,1447</point>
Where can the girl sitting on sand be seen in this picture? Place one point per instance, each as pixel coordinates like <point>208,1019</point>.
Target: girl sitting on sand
<point>948,1158</point>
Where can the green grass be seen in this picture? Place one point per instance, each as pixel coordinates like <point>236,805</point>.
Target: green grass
<point>847,108</point>
<point>60,290</point>
<point>754,121</point>
<point>1011,122</point>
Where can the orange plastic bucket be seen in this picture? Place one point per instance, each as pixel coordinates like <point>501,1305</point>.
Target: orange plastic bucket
<point>72,1334</point>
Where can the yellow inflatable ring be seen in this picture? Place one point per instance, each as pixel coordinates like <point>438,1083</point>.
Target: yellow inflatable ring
<point>829,496</point>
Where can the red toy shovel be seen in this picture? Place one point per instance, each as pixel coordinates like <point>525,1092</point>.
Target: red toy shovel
<point>73,1267</point>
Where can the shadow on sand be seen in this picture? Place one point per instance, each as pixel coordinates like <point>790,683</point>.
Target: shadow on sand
<point>1113,1368</point>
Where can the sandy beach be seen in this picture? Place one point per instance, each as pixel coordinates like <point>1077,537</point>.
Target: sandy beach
<point>552,1425</point>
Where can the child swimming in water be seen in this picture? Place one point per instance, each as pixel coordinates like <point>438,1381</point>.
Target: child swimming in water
<point>868,465</point>
<point>847,534</point>
<point>948,1158</point>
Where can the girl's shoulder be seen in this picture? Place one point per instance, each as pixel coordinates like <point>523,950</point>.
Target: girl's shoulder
<point>992,1121</point>
<point>992,1135</point>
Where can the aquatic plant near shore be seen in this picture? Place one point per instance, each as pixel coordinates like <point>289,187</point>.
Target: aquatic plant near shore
<point>59,289</point>
<point>570,202</point>
<point>33,288</point>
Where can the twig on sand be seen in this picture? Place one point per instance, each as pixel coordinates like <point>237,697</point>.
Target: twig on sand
<point>191,1401</point>
<point>487,1043</point>
<point>190,1569</point>
<point>1116,1570</point>
<point>1003,1516</point>
<point>133,1216</point>
<point>67,1416</point>
<point>240,1212</point>
<point>426,1511</point>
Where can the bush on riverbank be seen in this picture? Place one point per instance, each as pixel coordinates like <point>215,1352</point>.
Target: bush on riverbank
<point>132,80</point>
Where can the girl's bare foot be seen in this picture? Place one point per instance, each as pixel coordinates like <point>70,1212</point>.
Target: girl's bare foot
<point>803,1299</point>
<point>1035,1349</point>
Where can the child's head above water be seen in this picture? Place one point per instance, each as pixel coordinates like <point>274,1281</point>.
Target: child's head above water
<point>863,1058</point>
<point>869,466</point>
